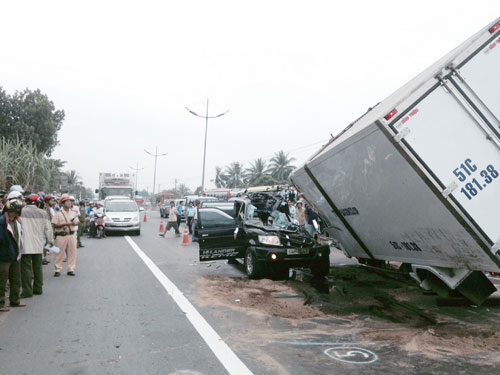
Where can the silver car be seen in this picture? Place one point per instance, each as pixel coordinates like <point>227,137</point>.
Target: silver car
<point>122,215</point>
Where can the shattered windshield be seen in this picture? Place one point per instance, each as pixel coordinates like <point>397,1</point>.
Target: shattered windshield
<point>280,220</point>
<point>274,218</point>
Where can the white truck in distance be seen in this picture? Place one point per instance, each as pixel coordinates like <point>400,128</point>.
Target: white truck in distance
<point>416,179</point>
<point>116,184</point>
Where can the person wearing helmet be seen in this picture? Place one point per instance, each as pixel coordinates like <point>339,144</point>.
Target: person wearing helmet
<point>18,188</point>
<point>50,203</point>
<point>64,222</point>
<point>97,211</point>
<point>36,229</point>
<point>10,245</point>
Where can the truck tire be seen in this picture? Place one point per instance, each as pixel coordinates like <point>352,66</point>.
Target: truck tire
<point>253,268</point>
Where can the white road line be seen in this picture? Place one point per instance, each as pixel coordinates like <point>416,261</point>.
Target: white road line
<point>221,350</point>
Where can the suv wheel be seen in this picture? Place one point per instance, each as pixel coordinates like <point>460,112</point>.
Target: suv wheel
<point>253,268</point>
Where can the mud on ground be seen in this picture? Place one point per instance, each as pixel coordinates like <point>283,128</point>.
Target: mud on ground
<point>373,306</point>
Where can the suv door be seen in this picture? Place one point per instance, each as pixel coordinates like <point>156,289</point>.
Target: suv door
<point>216,235</point>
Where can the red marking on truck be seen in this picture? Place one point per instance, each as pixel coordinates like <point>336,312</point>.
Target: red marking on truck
<point>410,115</point>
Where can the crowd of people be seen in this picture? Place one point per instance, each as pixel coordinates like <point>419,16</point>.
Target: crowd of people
<point>298,212</point>
<point>32,226</point>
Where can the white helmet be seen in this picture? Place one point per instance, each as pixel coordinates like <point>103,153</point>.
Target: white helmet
<point>18,188</point>
<point>14,195</point>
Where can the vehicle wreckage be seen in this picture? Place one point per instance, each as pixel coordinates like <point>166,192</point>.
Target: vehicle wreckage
<point>258,228</point>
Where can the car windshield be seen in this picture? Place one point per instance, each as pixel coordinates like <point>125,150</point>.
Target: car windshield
<point>121,206</point>
<point>275,219</point>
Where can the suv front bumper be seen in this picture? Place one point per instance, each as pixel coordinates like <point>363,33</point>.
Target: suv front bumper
<point>283,256</point>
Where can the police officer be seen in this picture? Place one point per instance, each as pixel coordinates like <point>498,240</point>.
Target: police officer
<point>81,225</point>
<point>64,222</point>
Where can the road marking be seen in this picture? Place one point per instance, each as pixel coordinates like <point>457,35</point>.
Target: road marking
<point>351,355</point>
<point>343,352</point>
<point>221,350</point>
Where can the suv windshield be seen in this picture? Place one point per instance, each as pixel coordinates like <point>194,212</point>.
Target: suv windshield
<point>121,206</point>
<point>274,219</point>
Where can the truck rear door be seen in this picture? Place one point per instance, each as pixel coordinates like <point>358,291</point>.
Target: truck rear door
<point>453,131</point>
<point>477,79</point>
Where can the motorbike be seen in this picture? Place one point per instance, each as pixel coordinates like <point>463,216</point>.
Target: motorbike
<point>99,225</point>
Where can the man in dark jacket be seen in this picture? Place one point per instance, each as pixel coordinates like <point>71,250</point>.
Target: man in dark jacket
<point>10,244</point>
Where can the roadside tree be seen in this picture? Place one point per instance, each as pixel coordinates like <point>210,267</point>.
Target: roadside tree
<point>280,166</point>
<point>256,171</point>
<point>30,116</point>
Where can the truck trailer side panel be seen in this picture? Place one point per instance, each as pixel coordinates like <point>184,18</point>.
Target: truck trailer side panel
<point>397,215</point>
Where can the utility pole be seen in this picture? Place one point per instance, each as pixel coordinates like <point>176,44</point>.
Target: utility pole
<point>206,117</point>
<point>136,169</point>
<point>156,155</point>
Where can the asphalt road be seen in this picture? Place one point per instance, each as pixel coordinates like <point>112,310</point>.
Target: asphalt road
<point>120,316</point>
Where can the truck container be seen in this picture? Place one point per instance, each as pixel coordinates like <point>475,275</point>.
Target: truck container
<point>416,178</point>
<point>116,184</point>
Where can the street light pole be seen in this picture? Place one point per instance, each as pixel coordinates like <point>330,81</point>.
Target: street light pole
<point>206,117</point>
<point>136,169</point>
<point>156,155</point>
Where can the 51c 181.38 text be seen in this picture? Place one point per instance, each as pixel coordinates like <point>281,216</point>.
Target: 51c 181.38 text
<point>476,185</point>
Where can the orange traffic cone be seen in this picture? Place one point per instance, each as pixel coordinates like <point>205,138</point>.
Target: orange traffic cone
<point>162,226</point>
<point>145,217</point>
<point>185,240</point>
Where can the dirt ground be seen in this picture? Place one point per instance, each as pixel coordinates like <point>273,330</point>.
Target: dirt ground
<point>373,306</point>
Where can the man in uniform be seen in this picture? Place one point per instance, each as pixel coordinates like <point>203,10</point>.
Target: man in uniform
<point>64,222</point>
<point>81,224</point>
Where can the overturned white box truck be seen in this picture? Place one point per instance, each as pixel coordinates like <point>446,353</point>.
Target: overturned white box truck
<point>416,179</point>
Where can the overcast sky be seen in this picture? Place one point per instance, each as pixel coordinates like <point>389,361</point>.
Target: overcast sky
<point>290,73</point>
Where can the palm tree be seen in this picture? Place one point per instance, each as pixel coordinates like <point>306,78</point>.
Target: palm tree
<point>73,177</point>
<point>234,175</point>
<point>280,166</point>
<point>257,170</point>
<point>220,178</point>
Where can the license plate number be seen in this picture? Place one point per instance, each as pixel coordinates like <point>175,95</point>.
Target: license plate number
<point>297,251</point>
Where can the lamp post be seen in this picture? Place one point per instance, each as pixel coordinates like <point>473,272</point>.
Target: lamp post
<point>206,117</point>
<point>136,169</point>
<point>156,155</point>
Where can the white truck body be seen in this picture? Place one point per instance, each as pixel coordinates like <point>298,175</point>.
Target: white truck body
<point>116,184</point>
<point>416,179</point>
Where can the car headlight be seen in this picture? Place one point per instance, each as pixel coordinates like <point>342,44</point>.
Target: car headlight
<point>107,219</point>
<point>270,240</point>
<point>135,218</point>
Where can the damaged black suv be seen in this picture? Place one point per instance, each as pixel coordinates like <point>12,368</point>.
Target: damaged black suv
<point>258,229</point>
